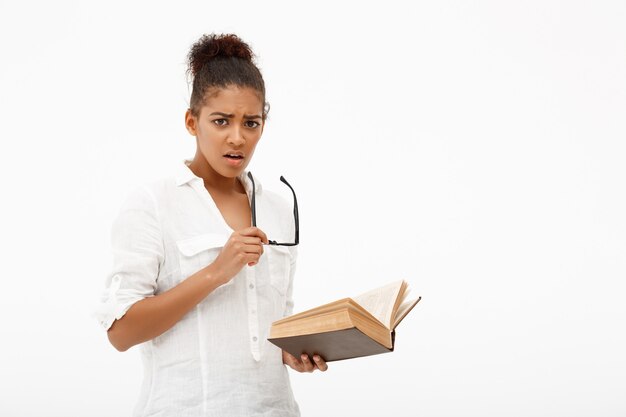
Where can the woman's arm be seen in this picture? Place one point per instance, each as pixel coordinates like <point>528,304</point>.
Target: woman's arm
<point>152,316</point>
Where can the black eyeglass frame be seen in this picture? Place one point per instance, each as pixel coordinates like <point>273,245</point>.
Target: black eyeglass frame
<point>295,212</point>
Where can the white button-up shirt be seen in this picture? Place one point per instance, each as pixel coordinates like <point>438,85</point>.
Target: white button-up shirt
<point>216,361</point>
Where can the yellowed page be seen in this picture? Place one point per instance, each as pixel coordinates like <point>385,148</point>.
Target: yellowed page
<point>382,301</point>
<point>335,305</point>
<point>325,322</point>
<point>404,309</point>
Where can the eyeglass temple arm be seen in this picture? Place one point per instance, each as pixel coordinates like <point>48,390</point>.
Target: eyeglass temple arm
<point>295,209</point>
<point>253,204</point>
<point>295,206</point>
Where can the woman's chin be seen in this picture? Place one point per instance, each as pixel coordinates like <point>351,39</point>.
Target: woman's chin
<point>230,171</point>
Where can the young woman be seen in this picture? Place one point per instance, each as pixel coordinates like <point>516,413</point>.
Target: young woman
<point>194,281</point>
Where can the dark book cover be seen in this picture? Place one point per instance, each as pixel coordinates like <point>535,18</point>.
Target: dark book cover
<point>333,346</point>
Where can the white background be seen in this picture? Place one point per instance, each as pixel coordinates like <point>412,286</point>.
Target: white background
<point>474,149</point>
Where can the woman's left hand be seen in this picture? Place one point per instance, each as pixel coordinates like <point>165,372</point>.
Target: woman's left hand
<point>305,363</point>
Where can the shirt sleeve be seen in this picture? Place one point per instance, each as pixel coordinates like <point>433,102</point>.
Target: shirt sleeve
<point>137,253</point>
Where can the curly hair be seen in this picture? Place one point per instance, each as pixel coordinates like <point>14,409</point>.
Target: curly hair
<point>219,61</point>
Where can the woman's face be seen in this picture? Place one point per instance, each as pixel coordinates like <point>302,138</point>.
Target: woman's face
<point>228,128</point>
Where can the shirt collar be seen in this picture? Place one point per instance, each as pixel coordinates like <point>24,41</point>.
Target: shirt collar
<point>185,175</point>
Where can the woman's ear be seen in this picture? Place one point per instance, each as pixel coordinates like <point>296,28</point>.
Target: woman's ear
<point>191,123</point>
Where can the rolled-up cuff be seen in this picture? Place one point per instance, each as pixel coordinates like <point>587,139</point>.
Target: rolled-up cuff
<point>115,303</point>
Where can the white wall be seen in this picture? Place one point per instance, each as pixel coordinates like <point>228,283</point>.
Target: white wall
<point>475,149</point>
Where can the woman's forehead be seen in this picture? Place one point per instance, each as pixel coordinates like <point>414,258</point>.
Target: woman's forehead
<point>233,98</point>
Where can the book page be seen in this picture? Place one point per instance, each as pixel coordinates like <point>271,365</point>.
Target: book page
<point>404,309</point>
<point>335,305</point>
<point>381,302</point>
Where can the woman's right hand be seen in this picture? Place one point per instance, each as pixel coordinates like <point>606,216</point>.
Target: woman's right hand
<point>244,247</point>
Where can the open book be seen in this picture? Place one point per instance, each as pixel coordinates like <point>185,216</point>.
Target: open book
<point>347,328</point>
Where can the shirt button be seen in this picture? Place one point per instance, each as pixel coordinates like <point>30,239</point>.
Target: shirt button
<point>254,339</point>
<point>251,286</point>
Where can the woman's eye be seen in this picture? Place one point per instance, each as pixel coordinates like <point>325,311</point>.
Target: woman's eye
<point>252,124</point>
<point>220,122</point>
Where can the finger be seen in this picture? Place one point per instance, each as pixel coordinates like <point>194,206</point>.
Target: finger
<point>251,240</point>
<point>308,365</point>
<point>298,366</point>
<point>321,363</point>
<point>294,364</point>
<point>243,248</point>
<point>243,251</point>
<point>288,357</point>
<point>256,249</point>
<point>254,231</point>
<point>249,258</point>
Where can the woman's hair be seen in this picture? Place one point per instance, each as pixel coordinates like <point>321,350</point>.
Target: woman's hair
<point>219,61</point>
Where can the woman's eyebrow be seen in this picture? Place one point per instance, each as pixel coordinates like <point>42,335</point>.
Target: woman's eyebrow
<point>229,115</point>
<point>219,113</point>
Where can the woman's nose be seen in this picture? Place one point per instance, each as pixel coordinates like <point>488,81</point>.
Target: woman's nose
<point>235,138</point>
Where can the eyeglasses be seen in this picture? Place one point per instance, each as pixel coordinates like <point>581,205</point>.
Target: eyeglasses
<point>295,212</point>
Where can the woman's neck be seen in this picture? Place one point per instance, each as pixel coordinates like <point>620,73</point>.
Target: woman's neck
<point>212,179</point>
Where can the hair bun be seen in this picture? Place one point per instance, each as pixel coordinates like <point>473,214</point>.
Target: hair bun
<point>213,46</point>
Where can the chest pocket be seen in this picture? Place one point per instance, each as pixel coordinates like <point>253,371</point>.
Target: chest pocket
<point>279,259</point>
<point>199,251</point>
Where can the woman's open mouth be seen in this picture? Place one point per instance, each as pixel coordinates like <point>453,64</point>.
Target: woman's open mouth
<point>234,158</point>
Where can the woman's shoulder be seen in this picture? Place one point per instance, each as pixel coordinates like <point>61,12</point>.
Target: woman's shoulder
<point>152,192</point>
